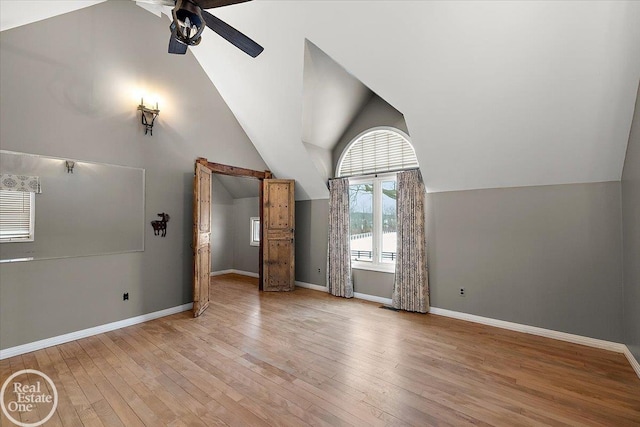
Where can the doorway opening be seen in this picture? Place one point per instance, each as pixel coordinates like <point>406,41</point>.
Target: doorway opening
<point>276,267</point>
<point>235,225</point>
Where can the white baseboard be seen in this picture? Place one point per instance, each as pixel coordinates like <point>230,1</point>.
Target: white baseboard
<point>373,298</point>
<point>246,273</point>
<point>234,271</point>
<point>632,360</point>
<point>358,295</point>
<point>72,336</point>
<point>312,286</point>
<point>533,330</point>
<point>220,272</point>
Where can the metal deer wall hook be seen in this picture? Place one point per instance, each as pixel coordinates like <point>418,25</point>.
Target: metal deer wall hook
<point>160,226</point>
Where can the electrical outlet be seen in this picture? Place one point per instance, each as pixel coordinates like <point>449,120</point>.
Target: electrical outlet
<point>125,296</point>
<point>461,292</point>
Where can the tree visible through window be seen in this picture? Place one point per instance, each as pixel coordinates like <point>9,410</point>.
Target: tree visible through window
<point>361,221</point>
<point>372,209</point>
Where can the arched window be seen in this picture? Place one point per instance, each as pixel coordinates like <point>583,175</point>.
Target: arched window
<point>371,161</point>
<point>377,150</point>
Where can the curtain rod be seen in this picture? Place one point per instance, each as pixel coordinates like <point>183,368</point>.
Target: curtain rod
<point>375,173</point>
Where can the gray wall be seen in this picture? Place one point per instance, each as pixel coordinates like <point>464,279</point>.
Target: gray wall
<point>312,220</point>
<point>222,232</point>
<point>230,219</point>
<point>631,236</point>
<point>379,284</point>
<point>545,256</point>
<point>245,256</point>
<point>66,95</point>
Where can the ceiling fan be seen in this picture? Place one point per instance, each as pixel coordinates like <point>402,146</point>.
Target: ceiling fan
<point>190,19</point>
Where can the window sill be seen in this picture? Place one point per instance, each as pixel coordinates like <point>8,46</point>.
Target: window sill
<point>390,269</point>
<point>17,240</point>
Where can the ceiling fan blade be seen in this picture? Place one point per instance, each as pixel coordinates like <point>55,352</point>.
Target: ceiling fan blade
<point>210,4</point>
<point>232,35</point>
<point>176,47</point>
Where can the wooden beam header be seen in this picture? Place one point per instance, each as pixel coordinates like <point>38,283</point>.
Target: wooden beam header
<point>233,170</point>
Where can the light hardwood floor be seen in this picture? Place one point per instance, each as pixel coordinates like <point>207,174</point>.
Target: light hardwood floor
<point>307,358</point>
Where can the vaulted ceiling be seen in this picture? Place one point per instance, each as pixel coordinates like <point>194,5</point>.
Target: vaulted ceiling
<point>495,94</point>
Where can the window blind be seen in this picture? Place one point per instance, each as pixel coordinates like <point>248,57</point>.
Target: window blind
<point>16,215</point>
<point>377,151</point>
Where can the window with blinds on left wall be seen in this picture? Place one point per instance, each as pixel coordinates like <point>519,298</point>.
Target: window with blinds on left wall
<point>17,216</point>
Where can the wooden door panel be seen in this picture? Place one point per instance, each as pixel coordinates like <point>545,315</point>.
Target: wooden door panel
<point>201,237</point>
<point>203,264</point>
<point>279,269</point>
<point>278,215</point>
<point>204,226</point>
<point>278,235</point>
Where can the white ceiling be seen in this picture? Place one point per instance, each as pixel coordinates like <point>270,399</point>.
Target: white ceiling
<point>14,13</point>
<point>495,94</point>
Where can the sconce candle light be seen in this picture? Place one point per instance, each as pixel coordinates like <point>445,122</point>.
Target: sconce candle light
<point>69,164</point>
<point>148,116</point>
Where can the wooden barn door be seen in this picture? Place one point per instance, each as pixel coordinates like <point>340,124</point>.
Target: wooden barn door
<point>201,237</point>
<point>278,228</point>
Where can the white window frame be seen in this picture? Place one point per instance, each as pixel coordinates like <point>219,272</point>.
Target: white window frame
<point>253,221</point>
<point>379,168</point>
<point>32,223</point>
<point>376,263</point>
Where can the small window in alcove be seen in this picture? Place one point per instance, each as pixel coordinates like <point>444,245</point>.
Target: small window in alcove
<point>254,224</point>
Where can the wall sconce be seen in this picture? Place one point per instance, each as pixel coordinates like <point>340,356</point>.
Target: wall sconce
<point>148,116</point>
<point>69,164</point>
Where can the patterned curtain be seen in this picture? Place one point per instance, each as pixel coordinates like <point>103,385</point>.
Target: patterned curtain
<point>339,252</point>
<point>28,184</point>
<point>411,285</point>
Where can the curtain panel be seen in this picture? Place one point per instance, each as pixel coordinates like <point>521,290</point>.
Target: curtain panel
<point>339,281</point>
<point>28,184</point>
<point>411,284</point>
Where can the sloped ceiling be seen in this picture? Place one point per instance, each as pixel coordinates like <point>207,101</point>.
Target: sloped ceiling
<point>239,187</point>
<point>495,94</point>
<point>331,98</point>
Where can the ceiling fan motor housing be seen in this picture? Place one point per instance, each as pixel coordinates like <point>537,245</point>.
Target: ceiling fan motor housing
<point>186,16</point>
<point>189,20</point>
